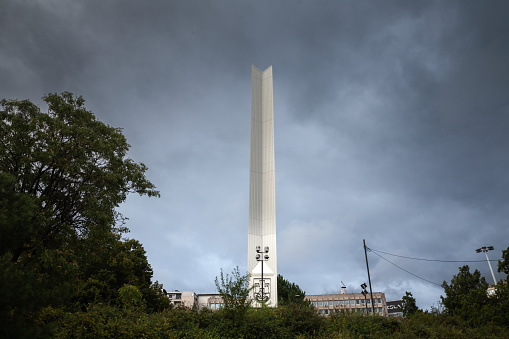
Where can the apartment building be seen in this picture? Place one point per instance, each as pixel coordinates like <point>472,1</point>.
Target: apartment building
<point>327,304</point>
<point>182,299</point>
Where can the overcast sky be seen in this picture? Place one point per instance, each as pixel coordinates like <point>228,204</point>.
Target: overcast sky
<point>391,125</point>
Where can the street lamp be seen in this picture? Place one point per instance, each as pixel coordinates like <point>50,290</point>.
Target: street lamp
<point>485,249</point>
<point>365,293</point>
<point>262,256</point>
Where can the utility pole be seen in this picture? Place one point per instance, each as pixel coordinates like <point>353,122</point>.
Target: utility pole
<point>369,278</point>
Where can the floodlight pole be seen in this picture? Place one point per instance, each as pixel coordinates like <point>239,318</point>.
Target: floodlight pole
<point>262,256</point>
<point>365,293</point>
<point>263,282</point>
<point>485,249</point>
<point>369,278</point>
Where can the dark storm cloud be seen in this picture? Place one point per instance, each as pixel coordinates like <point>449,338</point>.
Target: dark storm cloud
<point>390,119</point>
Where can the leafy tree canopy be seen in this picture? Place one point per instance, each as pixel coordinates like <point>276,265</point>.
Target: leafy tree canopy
<point>409,305</point>
<point>466,296</point>
<point>62,174</point>
<point>289,293</point>
<point>109,263</point>
<point>234,291</point>
<point>503,265</point>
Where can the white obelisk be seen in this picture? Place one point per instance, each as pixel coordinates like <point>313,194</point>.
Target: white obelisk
<point>262,192</point>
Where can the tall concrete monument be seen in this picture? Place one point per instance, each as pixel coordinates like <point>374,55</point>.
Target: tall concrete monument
<point>262,254</point>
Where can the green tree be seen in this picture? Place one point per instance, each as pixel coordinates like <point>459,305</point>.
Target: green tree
<point>107,264</point>
<point>289,293</point>
<point>62,174</point>
<point>501,298</point>
<point>503,265</point>
<point>409,305</point>
<point>466,297</point>
<point>70,168</point>
<point>234,291</point>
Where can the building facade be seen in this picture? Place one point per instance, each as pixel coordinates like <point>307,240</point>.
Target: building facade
<point>395,308</point>
<point>327,304</point>
<point>182,299</point>
<point>262,252</point>
<point>210,301</point>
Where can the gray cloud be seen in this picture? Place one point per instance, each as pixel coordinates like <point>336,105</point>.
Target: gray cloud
<point>390,120</point>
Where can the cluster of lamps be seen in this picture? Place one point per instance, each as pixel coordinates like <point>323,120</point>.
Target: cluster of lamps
<point>262,256</point>
<point>485,249</point>
<point>365,293</point>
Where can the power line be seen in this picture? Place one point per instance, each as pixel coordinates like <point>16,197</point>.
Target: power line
<point>415,275</point>
<point>436,260</point>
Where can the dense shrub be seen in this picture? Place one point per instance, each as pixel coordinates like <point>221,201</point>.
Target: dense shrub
<point>292,321</point>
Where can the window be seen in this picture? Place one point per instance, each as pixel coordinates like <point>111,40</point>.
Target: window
<point>330,302</point>
<point>362,302</point>
<point>320,303</point>
<point>336,302</point>
<point>357,301</point>
<point>341,302</point>
<point>369,301</point>
<point>321,311</point>
<point>379,310</point>
<point>314,303</point>
<point>352,302</point>
<point>379,300</point>
<point>326,311</point>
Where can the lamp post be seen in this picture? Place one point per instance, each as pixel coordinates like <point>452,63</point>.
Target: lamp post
<point>262,256</point>
<point>485,249</point>
<point>365,293</point>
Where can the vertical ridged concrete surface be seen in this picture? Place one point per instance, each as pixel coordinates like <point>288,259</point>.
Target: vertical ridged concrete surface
<point>262,193</point>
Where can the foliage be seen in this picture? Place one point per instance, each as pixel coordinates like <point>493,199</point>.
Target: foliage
<point>234,291</point>
<point>301,319</point>
<point>129,296</point>
<point>503,265</point>
<point>31,283</point>
<point>107,264</point>
<point>501,298</point>
<point>62,174</point>
<point>292,321</point>
<point>288,293</point>
<point>409,305</point>
<point>69,168</point>
<point>466,297</point>
<point>360,325</point>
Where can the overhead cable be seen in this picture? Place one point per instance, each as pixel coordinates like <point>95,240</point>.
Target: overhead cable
<point>415,275</point>
<point>436,260</point>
